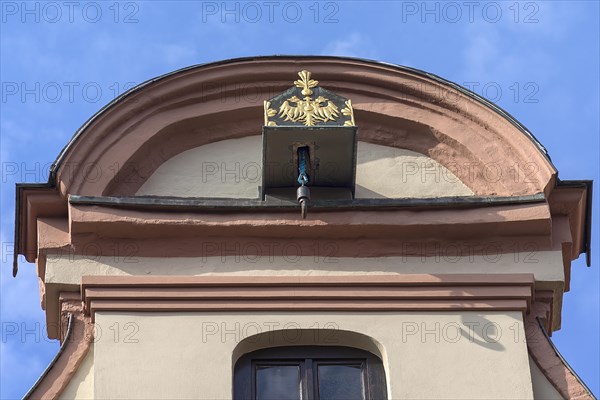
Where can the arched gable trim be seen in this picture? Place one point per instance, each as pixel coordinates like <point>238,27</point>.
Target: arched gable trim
<point>118,148</point>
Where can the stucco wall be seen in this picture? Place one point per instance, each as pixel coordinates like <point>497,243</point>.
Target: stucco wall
<point>81,386</point>
<point>426,355</point>
<point>63,269</point>
<point>232,168</point>
<point>542,388</point>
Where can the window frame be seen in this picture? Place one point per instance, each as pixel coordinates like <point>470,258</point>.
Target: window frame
<point>309,358</point>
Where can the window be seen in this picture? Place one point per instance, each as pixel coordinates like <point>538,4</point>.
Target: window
<point>309,372</point>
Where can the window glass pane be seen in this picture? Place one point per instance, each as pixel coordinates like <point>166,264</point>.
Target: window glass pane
<point>278,382</point>
<point>340,382</point>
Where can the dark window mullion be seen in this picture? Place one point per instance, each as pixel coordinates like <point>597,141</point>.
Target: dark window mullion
<point>366,380</point>
<point>309,382</point>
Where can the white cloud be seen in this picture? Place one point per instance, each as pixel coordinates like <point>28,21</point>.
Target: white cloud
<point>480,54</point>
<point>354,45</point>
<point>178,55</point>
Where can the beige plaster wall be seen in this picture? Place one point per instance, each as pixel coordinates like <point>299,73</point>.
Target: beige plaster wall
<point>232,168</point>
<point>542,388</point>
<point>464,355</point>
<point>63,269</point>
<point>81,386</point>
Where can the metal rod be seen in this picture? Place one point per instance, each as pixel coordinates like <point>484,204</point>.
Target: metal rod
<point>303,192</point>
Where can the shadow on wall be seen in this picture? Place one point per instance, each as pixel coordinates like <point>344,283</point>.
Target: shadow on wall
<point>482,331</point>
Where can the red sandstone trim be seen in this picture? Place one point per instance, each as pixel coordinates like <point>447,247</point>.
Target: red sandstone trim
<point>516,221</point>
<point>36,203</point>
<point>502,292</point>
<point>63,370</point>
<point>551,365</point>
<point>571,202</point>
<point>203,105</point>
<point>279,281</point>
<point>331,305</point>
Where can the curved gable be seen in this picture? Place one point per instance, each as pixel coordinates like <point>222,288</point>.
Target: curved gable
<point>123,145</point>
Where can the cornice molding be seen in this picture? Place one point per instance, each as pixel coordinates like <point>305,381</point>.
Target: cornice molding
<point>448,292</point>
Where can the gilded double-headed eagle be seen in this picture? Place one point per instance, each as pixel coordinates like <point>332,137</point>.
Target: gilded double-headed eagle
<point>308,111</point>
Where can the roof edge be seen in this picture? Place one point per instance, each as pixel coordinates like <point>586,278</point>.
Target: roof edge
<point>236,205</point>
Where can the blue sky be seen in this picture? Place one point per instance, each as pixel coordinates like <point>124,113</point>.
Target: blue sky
<point>62,61</point>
